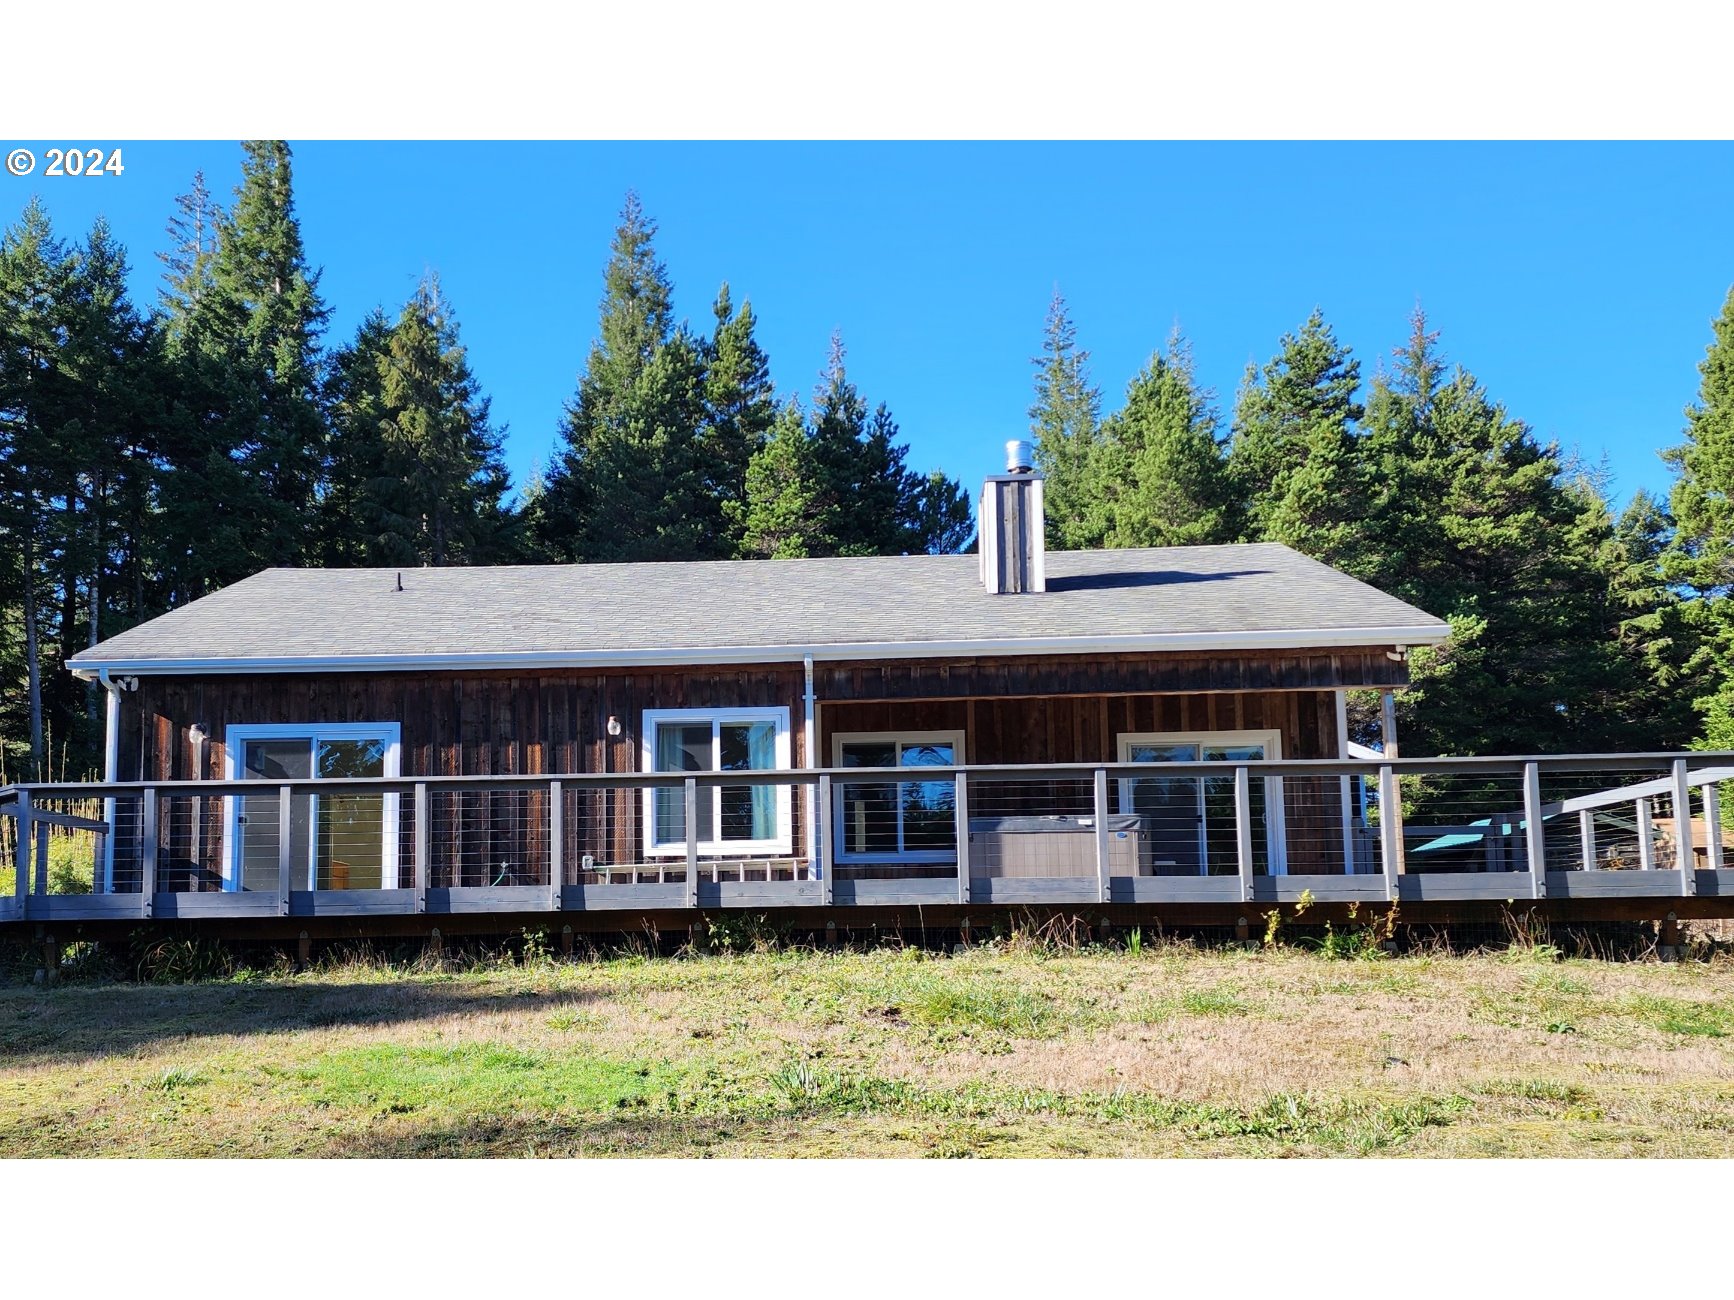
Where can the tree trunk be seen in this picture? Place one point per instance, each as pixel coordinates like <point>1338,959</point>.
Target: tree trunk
<point>32,651</point>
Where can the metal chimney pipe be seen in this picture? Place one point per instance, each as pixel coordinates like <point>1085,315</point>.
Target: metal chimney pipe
<point>1019,457</point>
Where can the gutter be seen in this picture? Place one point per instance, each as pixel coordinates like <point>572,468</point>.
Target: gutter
<point>810,700</point>
<point>110,768</point>
<point>650,656</point>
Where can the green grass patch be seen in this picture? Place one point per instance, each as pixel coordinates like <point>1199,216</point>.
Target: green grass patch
<point>1684,1016</point>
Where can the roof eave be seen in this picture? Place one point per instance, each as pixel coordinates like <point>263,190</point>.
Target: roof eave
<point>86,668</point>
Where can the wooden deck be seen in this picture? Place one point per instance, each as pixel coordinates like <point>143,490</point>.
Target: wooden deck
<point>159,852</point>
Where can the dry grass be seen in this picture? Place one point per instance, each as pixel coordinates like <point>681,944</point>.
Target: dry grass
<point>1172,1051</point>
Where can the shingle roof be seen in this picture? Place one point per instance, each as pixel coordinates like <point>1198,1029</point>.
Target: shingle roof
<point>1195,597</point>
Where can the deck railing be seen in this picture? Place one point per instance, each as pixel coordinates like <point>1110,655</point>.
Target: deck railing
<point>1581,826</point>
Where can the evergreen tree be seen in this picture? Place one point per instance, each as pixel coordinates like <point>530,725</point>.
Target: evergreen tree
<point>439,496</point>
<point>188,263</point>
<point>1474,521</point>
<point>840,484</point>
<point>355,400</point>
<point>265,315</point>
<point>1161,471</point>
<point>780,516</point>
<point>1700,556</point>
<point>1064,424</point>
<point>627,482</point>
<point>740,408</point>
<point>1292,458</point>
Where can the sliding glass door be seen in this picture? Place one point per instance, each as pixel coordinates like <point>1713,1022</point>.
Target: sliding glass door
<point>1188,821</point>
<point>336,841</point>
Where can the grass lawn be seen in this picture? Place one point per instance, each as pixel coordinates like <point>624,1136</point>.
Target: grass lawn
<point>1001,1051</point>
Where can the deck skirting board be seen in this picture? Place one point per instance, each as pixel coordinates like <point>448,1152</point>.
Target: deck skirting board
<point>489,898</point>
<point>238,903</point>
<point>352,902</point>
<point>1465,885</point>
<point>873,893</point>
<point>1175,889</point>
<point>1715,883</point>
<point>622,898</point>
<point>761,893</point>
<point>1613,884</point>
<point>1323,889</point>
<point>1033,889</point>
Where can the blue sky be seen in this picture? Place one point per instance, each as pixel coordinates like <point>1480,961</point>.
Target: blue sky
<point>1576,280</point>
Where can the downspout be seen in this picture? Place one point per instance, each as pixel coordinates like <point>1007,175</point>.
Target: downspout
<point>810,792</point>
<point>110,771</point>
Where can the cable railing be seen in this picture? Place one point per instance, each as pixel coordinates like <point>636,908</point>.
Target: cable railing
<point>1589,826</point>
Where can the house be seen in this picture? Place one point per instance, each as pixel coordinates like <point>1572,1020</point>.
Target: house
<point>1009,726</point>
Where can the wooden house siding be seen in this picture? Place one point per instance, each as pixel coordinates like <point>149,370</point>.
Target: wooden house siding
<point>1057,675</point>
<point>1086,729</point>
<point>1062,709</point>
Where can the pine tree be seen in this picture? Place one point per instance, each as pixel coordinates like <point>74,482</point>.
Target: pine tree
<point>1292,455</point>
<point>627,482</point>
<point>1700,556</point>
<point>780,514</point>
<point>263,310</point>
<point>1473,520</point>
<point>1064,423</point>
<point>188,265</point>
<point>34,267</point>
<point>1161,471</point>
<point>740,408</point>
<point>439,498</point>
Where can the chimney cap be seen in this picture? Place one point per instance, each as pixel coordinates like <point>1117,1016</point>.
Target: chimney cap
<point>1019,458</point>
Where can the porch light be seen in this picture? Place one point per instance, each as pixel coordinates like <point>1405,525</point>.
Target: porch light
<point>613,725</point>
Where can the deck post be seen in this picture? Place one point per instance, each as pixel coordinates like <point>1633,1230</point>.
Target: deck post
<point>692,841</point>
<point>962,811</point>
<point>1586,835</point>
<point>41,856</point>
<point>1646,833</point>
<point>1243,830</point>
<point>21,858</point>
<point>1390,830</point>
<point>1683,859</point>
<point>1534,831</point>
<point>827,856</point>
<point>285,859</point>
<point>420,867</point>
<point>556,845</point>
<point>147,850</point>
<point>1102,841</point>
<point>1712,825</point>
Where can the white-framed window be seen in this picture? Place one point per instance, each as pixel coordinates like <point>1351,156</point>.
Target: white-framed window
<point>336,841</point>
<point>1188,821</point>
<point>897,820</point>
<point>753,817</point>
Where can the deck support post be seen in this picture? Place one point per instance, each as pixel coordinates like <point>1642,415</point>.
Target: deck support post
<point>1243,830</point>
<point>1712,825</point>
<point>21,858</point>
<point>147,887</point>
<point>1104,893</point>
<point>1646,837</point>
<point>692,841</point>
<point>285,859</point>
<point>827,854</point>
<point>421,847</point>
<point>556,844</point>
<point>962,801</point>
<point>1586,835</point>
<point>1390,830</point>
<point>1534,831</point>
<point>1683,858</point>
<point>41,826</point>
